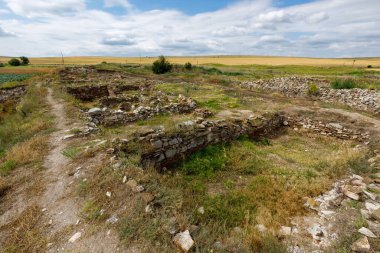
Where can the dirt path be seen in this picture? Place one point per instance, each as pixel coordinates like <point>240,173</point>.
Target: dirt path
<point>60,210</point>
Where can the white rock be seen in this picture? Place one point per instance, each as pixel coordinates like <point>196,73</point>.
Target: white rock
<point>316,231</point>
<point>124,179</point>
<point>261,228</point>
<point>370,195</point>
<point>112,220</point>
<point>94,110</point>
<point>367,232</point>
<point>75,237</point>
<point>109,194</point>
<point>184,240</point>
<point>371,206</point>
<point>201,210</point>
<point>285,231</point>
<point>362,245</point>
<point>148,209</point>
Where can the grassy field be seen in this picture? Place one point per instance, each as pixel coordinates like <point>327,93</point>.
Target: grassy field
<point>225,60</point>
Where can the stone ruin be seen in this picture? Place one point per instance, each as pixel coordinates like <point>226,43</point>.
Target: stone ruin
<point>155,106</point>
<point>330,129</point>
<point>294,86</point>
<point>162,149</point>
<point>12,94</point>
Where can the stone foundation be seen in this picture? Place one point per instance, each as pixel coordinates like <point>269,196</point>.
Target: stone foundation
<point>362,99</point>
<point>88,92</point>
<point>162,149</point>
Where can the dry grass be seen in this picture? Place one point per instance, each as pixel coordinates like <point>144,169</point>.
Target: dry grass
<point>26,232</point>
<point>226,60</point>
<point>32,150</point>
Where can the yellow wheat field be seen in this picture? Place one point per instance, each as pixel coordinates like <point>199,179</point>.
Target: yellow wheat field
<point>225,60</point>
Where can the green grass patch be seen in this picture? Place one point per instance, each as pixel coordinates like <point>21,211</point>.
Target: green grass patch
<point>7,167</point>
<point>72,152</point>
<point>343,84</point>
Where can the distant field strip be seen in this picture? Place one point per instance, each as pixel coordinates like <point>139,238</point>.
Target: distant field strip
<point>225,60</point>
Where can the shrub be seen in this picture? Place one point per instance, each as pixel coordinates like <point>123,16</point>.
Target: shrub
<point>24,60</point>
<point>343,84</point>
<point>313,89</point>
<point>188,66</point>
<point>14,62</point>
<point>369,66</point>
<point>161,66</point>
<point>2,64</point>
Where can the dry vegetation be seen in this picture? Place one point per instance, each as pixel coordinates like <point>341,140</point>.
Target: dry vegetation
<point>225,60</point>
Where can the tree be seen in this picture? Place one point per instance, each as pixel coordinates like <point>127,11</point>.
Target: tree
<point>24,60</point>
<point>14,62</point>
<point>188,66</point>
<point>161,66</point>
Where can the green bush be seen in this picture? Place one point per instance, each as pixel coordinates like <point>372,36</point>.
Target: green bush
<point>313,89</point>
<point>24,60</point>
<point>188,66</point>
<point>2,65</point>
<point>161,66</point>
<point>369,66</point>
<point>14,62</point>
<point>343,84</point>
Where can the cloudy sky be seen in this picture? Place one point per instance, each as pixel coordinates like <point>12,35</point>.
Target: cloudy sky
<point>314,28</point>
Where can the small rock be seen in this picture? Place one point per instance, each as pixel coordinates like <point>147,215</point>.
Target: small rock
<point>376,214</point>
<point>148,209</point>
<point>94,110</point>
<point>109,194</point>
<point>132,183</point>
<point>367,232</point>
<point>285,231</point>
<point>138,188</point>
<point>184,241</point>
<point>370,195</point>
<point>112,220</point>
<point>201,210</point>
<point>316,231</point>
<point>362,245</point>
<point>124,179</point>
<point>371,206</point>
<point>261,228</point>
<point>75,237</point>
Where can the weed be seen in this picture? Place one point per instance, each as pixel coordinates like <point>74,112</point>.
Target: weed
<point>312,90</point>
<point>360,222</point>
<point>72,152</point>
<point>343,84</point>
<point>92,211</point>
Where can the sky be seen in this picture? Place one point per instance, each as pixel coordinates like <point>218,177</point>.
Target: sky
<point>309,28</point>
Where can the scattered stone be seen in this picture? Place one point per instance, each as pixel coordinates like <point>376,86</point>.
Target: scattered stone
<point>371,206</point>
<point>125,179</point>
<point>362,245</point>
<point>149,209</point>
<point>367,232</point>
<point>109,194</point>
<point>112,220</point>
<point>316,232</point>
<point>184,241</point>
<point>370,195</point>
<point>75,237</point>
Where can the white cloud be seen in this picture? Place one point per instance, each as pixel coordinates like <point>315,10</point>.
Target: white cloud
<point>321,28</point>
<point>4,33</point>
<point>40,8</point>
<point>318,17</point>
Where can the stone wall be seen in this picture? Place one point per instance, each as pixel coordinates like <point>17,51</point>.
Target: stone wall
<point>12,94</point>
<point>162,149</point>
<point>331,129</point>
<point>110,117</point>
<point>362,99</point>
